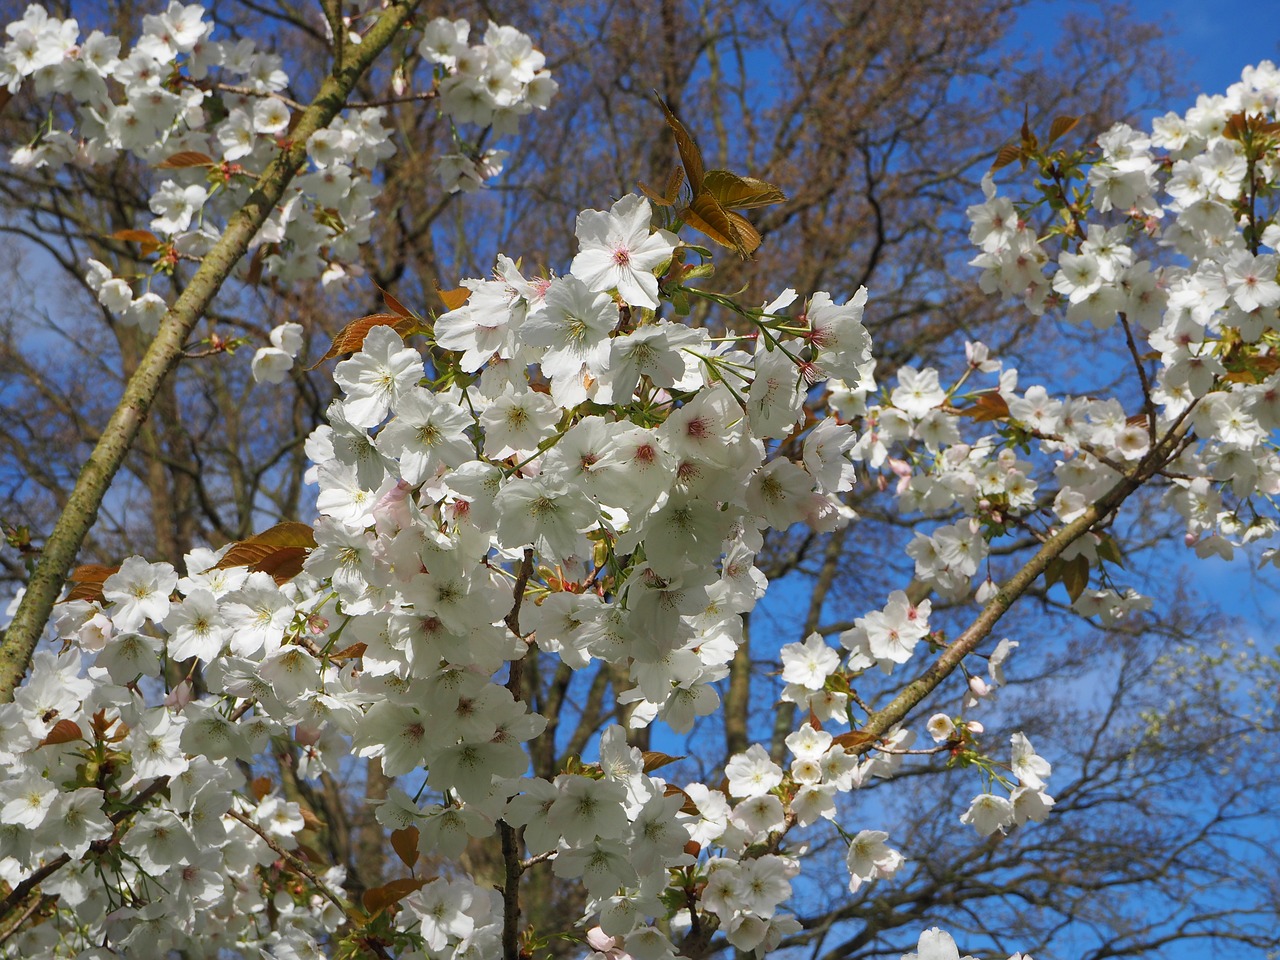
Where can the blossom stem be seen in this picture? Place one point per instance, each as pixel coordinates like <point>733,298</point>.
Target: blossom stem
<point>19,893</point>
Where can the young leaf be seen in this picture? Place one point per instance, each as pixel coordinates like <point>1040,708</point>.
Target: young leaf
<point>184,159</point>
<point>708,217</point>
<point>88,579</point>
<point>1062,126</point>
<point>1075,576</point>
<point>405,844</point>
<point>688,806</point>
<point>1109,550</point>
<point>987,407</point>
<point>64,731</point>
<point>452,299</point>
<point>260,787</point>
<point>350,653</point>
<point>690,155</point>
<point>715,192</point>
<point>144,237</point>
<point>379,898</point>
<point>147,241</point>
<point>1052,572</point>
<point>854,739</point>
<point>741,193</point>
<point>279,551</point>
<point>394,305</point>
<point>351,337</point>
<point>1006,155</point>
<point>653,760</point>
<point>668,198</point>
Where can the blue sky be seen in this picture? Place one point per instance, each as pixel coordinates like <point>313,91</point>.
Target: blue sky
<point>1216,38</point>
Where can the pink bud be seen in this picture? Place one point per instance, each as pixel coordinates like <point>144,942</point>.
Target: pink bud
<point>306,735</point>
<point>599,941</point>
<point>180,695</point>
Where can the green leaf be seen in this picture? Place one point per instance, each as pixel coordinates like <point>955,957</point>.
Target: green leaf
<point>1075,576</point>
<point>1109,550</point>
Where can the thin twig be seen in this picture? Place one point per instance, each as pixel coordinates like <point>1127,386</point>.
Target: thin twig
<point>512,866</point>
<point>1148,404</point>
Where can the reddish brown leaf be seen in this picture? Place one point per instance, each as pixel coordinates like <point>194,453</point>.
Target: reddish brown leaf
<point>709,218</point>
<point>688,806</point>
<point>308,854</point>
<point>279,551</point>
<point>350,653</point>
<point>747,237</point>
<point>260,786</point>
<point>144,237</point>
<point>351,337</point>
<point>1062,126</point>
<point>64,731</point>
<point>147,241</point>
<point>988,406</point>
<point>690,155</point>
<point>99,723</point>
<point>283,564</point>
<point>405,844</point>
<point>1235,127</point>
<point>854,739</point>
<point>87,580</point>
<point>253,276</point>
<point>394,305</point>
<point>675,180</point>
<point>452,299</point>
<point>741,193</point>
<point>185,158</point>
<point>379,898</point>
<point>1006,155</point>
<point>653,760</point>
<point>652,194</point>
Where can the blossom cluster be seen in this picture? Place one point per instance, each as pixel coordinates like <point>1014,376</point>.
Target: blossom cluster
<point>211,114</point>
<point>556,468</point>
<point>1196,192</point>
<point>580,475</point>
